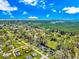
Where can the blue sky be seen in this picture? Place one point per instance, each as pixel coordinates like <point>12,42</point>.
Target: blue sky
<point>39,9</point>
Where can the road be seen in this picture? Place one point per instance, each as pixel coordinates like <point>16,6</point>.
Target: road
<point>33,48</point>
<point>36,50</point>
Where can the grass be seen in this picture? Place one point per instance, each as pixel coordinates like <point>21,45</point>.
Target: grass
<point>52,44</point>
<point>68,27</point>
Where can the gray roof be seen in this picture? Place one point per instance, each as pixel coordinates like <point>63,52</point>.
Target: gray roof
<point>34,54</point>
<point>29,57</point>
<point>17,54</point>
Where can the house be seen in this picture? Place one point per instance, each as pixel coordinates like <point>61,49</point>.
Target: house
<point>1,42</point>
<point>1,26</point>
<point>10,46</point>
<point>17,52</point>
<point>62,32</point>
<point>51,51</point>
<point>1,51</point>
<point>29,57</point>
<point>34,54</point>
<point>77,36</point>
<point>53,39</point>
<point>26,49</point>
<point>42,47</point>
<point>77,44</point>
<point>8,43</point>
<point>6,54</point>
<point>71,34</point>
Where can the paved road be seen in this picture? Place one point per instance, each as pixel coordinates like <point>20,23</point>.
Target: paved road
<point>27,45</point>
<point>36,50</point>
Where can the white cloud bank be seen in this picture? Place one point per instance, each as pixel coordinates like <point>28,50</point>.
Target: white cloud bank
<point>30,2</point>
<point>32,17</point>
<point>71,10</point>
<point>5,6</point>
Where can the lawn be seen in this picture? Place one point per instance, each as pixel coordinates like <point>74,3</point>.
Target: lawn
<point>52,44</point>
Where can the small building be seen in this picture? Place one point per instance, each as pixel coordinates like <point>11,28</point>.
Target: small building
<point>62,32</point>
<point>1,43</point>
<point>34,54</point>
<point>1,26</point>
<point>1,51</point>
<point>51,51</point>
<point>10,46</point>
<point>6,54</point>
<point>43,47</point>
<point>77,44</point>
<point>77,36</point>
<point>17,52</point>
<point>8,43</point>
<point>29,57</point>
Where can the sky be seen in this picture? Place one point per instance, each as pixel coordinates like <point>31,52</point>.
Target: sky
<point>39,9</point>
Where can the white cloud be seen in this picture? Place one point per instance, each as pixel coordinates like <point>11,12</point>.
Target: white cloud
<point>32,17</point>
<point>59,11</point>
<point>71,10</point>
<point>5,6</point>
<point>8,13</point>
<point>54,10</point>
<point>51,4</point>
<point>30,2</point>
<point>47,15</point>
<point>42,4</point>
<point>5,13</point>
<point>24,12</point>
